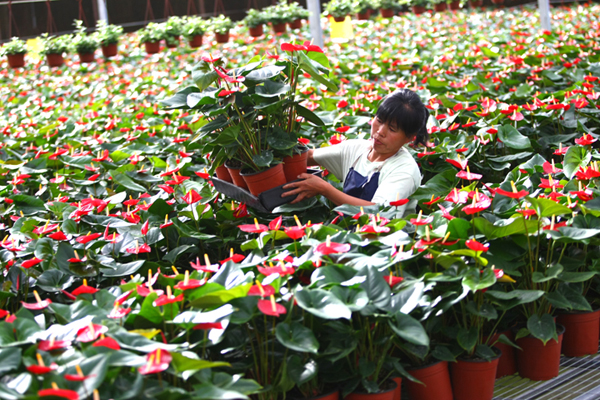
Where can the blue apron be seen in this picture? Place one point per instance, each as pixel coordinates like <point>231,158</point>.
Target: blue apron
<point>363,187</point>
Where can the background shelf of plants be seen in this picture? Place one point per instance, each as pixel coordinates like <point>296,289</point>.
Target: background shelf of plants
<point>126,275</point>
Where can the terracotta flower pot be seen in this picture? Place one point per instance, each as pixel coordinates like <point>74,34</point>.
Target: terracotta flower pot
<point>87,57</point>
<point>475,3</point>
<point>173,43</point>
<point>439,7</point>
<point>363,16</point>
<point>455,5</point>
<point>237,179</point>
<point>474,379</point>
<point>339,19</point>
<point>16,60</point>
<point>296,24</point>
<point>110,50</point>
<point>55,60</point>
<point>581,333</point>
<point>436,379</point>
<point>295,165</point>
<point>385,395</point>
<point>498,2</point>
<point>387,12</point>
<point>418,9</point>
<point>195,42</point>
<point>223,174</point>
<point>536,361</point>
<point>222,37</point>
<point>398,391</point>
<point>279,28</point>
<point>507,365</point>
<point>152,47</point>
<point>262,181</point>
<point>335,395</point>
<point>256,31</point>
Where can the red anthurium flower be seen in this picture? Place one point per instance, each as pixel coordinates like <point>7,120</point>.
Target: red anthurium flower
<point>514,194</point>
<point>31,262</point>
<point>294,232</point>
<point>445,213</point>
<point>586,173</point>
<point>342,104</point>
<point>480,203</point>
<point>330,247</point>
<point>192,197</point>
<point>270,307</point>
<point>393,280</point>
<point>433,200</point>
<point>84,289</point>
<point>56,392</point>
<point>144,248</point>
<point>59,236</point>
<point>203,175</point>
<point>118,312</point>
<point>41,368</point>
<point>51,345</point>
<point>168,189</point>
<point>425,154</point>
<point>374,228</point>
<point>39,304</point>
<point>275,224</point>
<point>292,47</point>
<point>207,326</point>
<point>168,298</point>
<point>516,116</point>
<point>41,230</point>
<point>256,228</point>
<point>457,196</point>
<point>236,258</point>
<point>550,183</point>
<point>240,211</point>
<point>261,290</point>
<point>554,225</point>
<point>3,313</point>
<point>526,212</point>
<point>583,195</point>
<point>311,47</point>
<point>91,332</point>
<point>177,179</point>
<point>107,342</point>
<point>336,139</point>
<point>399,203</point>
<point>420,220</point>
<point>145,227</point>
<point>80,377</point>
<point>468,175</point>
<point>476,246</point>
<point>188,283</point>
<point>549,168</point>
<point>207,267</point>
<point>88,238</point>
<point>144,291</point>
<point>281,269</point>
<point>157,361</point>
<point>459,163</point>
<point>585,140</point>
<point>102,157</point>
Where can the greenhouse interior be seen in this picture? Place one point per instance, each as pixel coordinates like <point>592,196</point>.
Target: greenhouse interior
<point>281,200</point>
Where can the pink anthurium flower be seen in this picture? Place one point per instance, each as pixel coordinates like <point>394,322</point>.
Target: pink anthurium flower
<point>261,290</point>
<point>167,298</point>
<point>207,267</point>
<point>330,247</point>
<point>39,304</point>
<point>270,307</point>
<point>52,344</point>
<point>80,377</point>
<point>420,220</point>
<point>281,269</point>
<point>188,283</point>
<point>157,361</point>
<point>91,332</point>
<point>254,228</point>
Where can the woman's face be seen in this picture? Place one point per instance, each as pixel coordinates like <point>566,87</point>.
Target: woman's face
<point>387,138</point>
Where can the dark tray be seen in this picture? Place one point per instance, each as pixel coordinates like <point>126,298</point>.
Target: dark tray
<point>265,202</point>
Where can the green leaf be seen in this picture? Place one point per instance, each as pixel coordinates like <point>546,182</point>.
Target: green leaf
<point>309,115</point>
<point>306,64</point>
<point>297,337</point>
<point>547,207</point>
<point>263,159</point>
<point>208,391</point>
<point>54,280</point>
<point>272,89</point>
<point>228,136</point>
<point>511,137</point>
<point>265,73</point>
<point>182,363</point>
<point>126,182</point>
<point>203,79</point>
<point>409,329</point>
<point>551,273</point>
<point>467,338</point>
<point>11,359</point>
<point>220,297</point>
<point>576,157</point>
<point>117,269</point>
<point>300,372</point>
<point>542,327</point>
<point>323,304</point>
<point>376,287</point>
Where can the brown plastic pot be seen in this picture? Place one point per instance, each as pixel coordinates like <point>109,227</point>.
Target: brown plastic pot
<point>55,60</point>
<point>385,395</point>
<point>339,19</point>
<point>296,24</point>
<point>152,47</point>
<point>110,50</point>
<point>474,379</point>
<point>439,7</point>
<point>398,391</point>
<point>195,41</point>
<point>223,174</point>
<point>222,37</point>
<point>582,333</point>
<point>387,12</point>
<point>262,181</point>
<point>87,57</point>
<point>475,3</point>
<point>436,379</point>
<point>418,9</point>
<point>455,5</point>
<point>174,43</point>
<point>335,395</point>
<point>536,361</point>
<point>295,165</point>
<point>363,16</point>
<point>507,365</point>
<point>498,2</point>
<point>237,179</point>
<point>279,28</point>
<point>16,60</point>
<point>256,31</point>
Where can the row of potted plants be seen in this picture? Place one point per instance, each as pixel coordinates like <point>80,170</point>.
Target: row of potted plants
<point>279,16</point>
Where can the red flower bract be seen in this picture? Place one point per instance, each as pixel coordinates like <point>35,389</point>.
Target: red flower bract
<point>476,246</point>
<point>91,332</point>
<point>157,361</point>
<point>270,307</point>
<point>332,248</point>
<point>64,393</point>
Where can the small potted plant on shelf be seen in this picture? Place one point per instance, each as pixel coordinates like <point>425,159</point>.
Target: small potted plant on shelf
<point>439,5</point>
<point>277,15</point>
<point>108,36</point>
<point>150,36</point>
<point>173,29</point>
<point>475,3</point>
<point>419,6</point>
<point>455,5</point>
<point>53,47</point>
<point>14,51</point>
<point>339,9</point>
<point>363,8</point>
<point>296,14</point>
<point>85,45</point>
<point>254,20</point>
<point>221,26</point>
<point>253,110</point>
<point>387,8</point>
<point>193,30</point>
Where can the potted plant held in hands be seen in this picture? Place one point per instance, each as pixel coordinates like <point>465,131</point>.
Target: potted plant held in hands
<point>14,51</point>
<point>85,45</point>
<point>108,36</point>
<point>150,36</point>
<point>254,20</point>
<point>53,47</point>
<point>221,26</point>
<point>193,30</point>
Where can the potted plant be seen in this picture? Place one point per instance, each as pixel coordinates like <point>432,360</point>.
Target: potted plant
<point>455,5</point>
<point>253,109</point>
<point>363,8</point>
<point>14,51</point>
<point>254,20</point>
<point>85,45</point>
<point>296,14</point>
<point>193,30</point>
<point>339,9</point>
<point>173,29</point>
<point>278,16</point>
<point>221,26</point>
<point>150,36</point>
<point>387,8</point>
<point>419,6</point>
<point>439,5</point>
<point>53,48</point>
<point>108,36</point>
<point>475,3</point>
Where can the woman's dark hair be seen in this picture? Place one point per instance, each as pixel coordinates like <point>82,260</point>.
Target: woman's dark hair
<point>405,109</point>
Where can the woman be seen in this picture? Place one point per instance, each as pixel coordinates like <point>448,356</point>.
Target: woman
<point>375,171</point>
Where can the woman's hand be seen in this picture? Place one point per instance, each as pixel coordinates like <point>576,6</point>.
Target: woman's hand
<point>309,186</point>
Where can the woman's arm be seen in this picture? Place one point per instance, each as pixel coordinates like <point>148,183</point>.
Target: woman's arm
<point>311,185</point>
